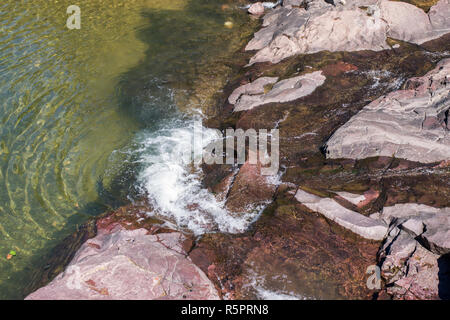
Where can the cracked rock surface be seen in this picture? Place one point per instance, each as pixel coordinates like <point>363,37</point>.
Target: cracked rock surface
<point>130,264</point>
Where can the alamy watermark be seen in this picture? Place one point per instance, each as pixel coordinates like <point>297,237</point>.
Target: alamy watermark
<point>231,147</point>
<point>74,20</point>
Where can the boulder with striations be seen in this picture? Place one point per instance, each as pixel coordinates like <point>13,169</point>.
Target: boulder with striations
<point>411,124</point>
<point>429,225</point>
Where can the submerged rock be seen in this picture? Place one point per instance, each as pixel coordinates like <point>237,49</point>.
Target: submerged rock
<point>130,264</point>
<point>246,97</point>
<point>250,190</point>
<point>411,124</point>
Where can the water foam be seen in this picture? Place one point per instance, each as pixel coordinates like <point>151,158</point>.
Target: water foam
<point>173,185</point>
<point>258,287</point>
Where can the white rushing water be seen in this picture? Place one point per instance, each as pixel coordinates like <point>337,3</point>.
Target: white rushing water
<point>274,288</point>
<point>173,184</point>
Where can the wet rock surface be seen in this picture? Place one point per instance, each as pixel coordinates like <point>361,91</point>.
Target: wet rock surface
<point>250,190</point>
<point>290,252</point>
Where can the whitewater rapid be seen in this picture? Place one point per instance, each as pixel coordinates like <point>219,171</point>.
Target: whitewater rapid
<point>173,185</point>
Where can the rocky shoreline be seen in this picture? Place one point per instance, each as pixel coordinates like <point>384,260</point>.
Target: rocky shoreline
<point>360,93</point>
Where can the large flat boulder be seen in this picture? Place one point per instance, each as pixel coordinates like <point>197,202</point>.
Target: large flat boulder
<point>333,30</point>
<point>251,95</point>
<point>277,22</point>
<point>130,264</point>
<point>411,124</point>
<point>406,22</point>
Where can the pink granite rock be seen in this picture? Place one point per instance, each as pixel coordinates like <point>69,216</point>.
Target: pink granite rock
<point>254,88</point>
<point>346,30</point>
<point>406,22</point>
<point>440,15</point>
<point>130,264</point>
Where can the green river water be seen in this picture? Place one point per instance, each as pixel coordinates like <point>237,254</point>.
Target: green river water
<point>71,100</point>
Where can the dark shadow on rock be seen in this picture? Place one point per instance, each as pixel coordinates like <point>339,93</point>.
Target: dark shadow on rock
<point>444,277</point>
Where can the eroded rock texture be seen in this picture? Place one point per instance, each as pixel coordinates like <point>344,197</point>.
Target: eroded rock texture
<point>429,225</point>
<point>411,124</point>
<point>130,264</point>
<point>409,270</point>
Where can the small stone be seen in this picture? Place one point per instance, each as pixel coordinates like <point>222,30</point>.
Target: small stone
<point>256,9</point>
<point>228,24</point>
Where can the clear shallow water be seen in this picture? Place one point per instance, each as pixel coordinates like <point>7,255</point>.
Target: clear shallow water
<point>77,106</point>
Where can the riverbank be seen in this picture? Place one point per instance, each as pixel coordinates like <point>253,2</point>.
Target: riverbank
<point>343,203</point>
